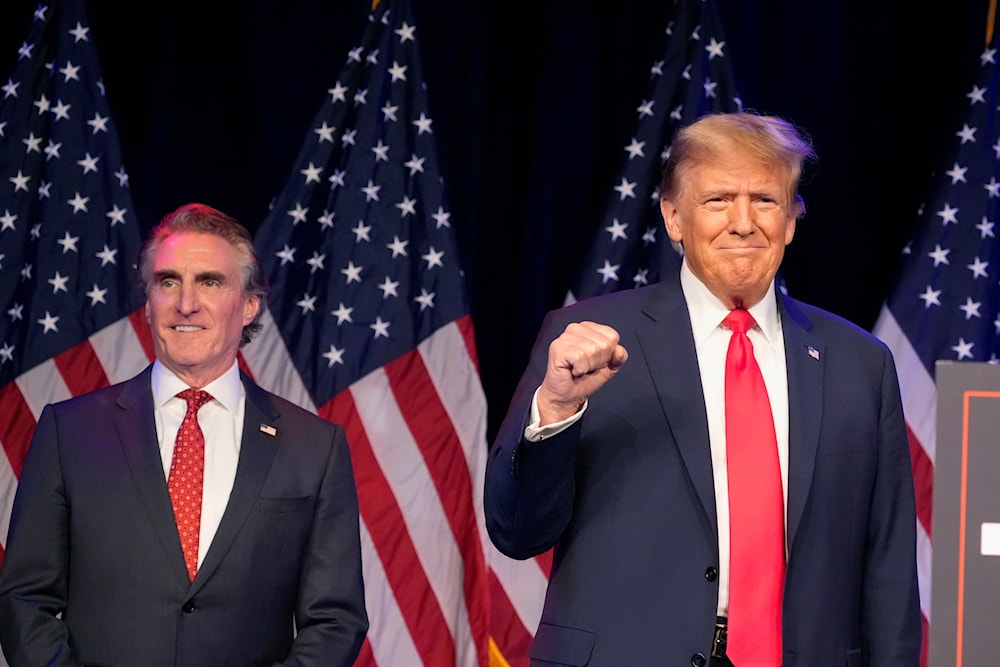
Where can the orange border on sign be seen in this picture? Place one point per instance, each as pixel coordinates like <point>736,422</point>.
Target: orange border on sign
<point>966,396</point>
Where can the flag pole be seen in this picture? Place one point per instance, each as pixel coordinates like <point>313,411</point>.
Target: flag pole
<point>991,14</point>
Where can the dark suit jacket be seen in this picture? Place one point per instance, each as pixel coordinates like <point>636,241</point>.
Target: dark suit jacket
<point>626,497</point>
<point>92,537</point>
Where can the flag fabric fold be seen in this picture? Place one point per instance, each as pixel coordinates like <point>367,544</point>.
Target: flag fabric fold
<point>693,78</point>
<point>945,303</point>
<point>368,325</point>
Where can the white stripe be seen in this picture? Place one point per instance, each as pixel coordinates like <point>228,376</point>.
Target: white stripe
<point>924,569</point>
<point>390,641</point>
<point>406,472</point>
<point>42,385</point>
<point>272,368</point>
<point>119,350</point>
<point>524,582</point>
<point>8,486</point>
<point>916,384</point>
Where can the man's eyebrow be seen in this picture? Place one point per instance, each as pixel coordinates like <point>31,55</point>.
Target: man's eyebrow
<point>165,273</point>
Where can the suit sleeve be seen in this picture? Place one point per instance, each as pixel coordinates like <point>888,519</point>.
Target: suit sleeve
<point>33,577</point>
<point>891,606</point>
<point>330,618</point>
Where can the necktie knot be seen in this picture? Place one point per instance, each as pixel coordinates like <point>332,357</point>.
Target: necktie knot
<point>195,398</point>
<point>739,321</point>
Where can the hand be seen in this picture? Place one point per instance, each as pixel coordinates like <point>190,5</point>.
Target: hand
<point>581,360</point>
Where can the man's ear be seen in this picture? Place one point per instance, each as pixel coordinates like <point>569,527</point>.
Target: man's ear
<point>671,220</point>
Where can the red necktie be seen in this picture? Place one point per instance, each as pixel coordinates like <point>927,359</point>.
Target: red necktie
<point>756,508</point>
<point>187,472</point>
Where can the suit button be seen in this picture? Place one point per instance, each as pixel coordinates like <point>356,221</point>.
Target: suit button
<point>698,660</point>
<point>188,607</point>
<point>711,574</point>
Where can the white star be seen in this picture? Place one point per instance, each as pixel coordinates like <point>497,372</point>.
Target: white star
<point>311,173</point>
<point>97,295</point>
<point>353,273</point>
<point>963,349</point>
<point>987,56</point>
<point>355,54</point>
<point>641,277</point>
<point>646,108</point>
<point>397,247</point>
<point>49,323</point>
<point>99,123</point>
<point>423,124</point>
<point>16,312</point>
<point>442,218</point>
<point>371,191</point>
<point>334,356</point>
<point>425,299</point>
<point>52,150</point>
<point>657,69</point>
<point>348,138</point>
<point>967,134</point>
<point>957,174</point>
<point>939,255</point>
<point>930,297</point>
<point>361,97</point>
<point>415,164</point>
<point>298,214</point>
<point>107,255</point>
<point>714,49</point>
<point>634,149</point>
<point>36,230</point>
<point>6,353</point>
<point>625,189</point>
<point>307,304</point>
<point>20,181</point>
<point>326,220</point>
<point>947,215</point>
<point>7,220</point>
<point>286,254</point>
<point>337,93</point>
<point>58,282</point>
<point>337,178</point>
<point>316,262</point>
<point>343,313</point>
<point>33,143</point>
<point>24,53</point>
<point>122,177</point>
<point>407,207</point>
<point>649,236</point>
<point>3,124</point>
<point>985,228</point>
<point>79,33</point>
<point>10,89</point>
<point>710,87</point>
<point>68,243</point>
<point>397,71</point>
<point>88,163</point>
<point>388,288</point>
<point>381,328</point>
<point>70,71</point>
<point>978,268</point>
<point>43,190</point>
<point>325,132</point>
<point>381,152</point>
<point>970,308</point>
<point>42,103</point>
<point>617,230</point>
<point>61,111</point>
<point>373,57</point>
<point>26,271</point>
<point>361,231</point>
<point>389,112</point>
<point>977,95</point>
<point>609,271</point>
<point>993,188</point>
<point>116,215</point>
<point>406,32</point>
<point>78,203</point>
<point>433,258</point>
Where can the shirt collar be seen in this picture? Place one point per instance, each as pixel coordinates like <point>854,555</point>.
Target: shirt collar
<point>227,389</point>
<point>707,311</point>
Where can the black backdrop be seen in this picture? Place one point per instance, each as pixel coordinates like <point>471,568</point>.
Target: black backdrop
<point>532,104</point>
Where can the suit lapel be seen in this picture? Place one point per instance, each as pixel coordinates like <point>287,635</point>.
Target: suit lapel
<point>805,356</point>
<point>668,348</point>
<point>261,435</point>
<point>136,427</point>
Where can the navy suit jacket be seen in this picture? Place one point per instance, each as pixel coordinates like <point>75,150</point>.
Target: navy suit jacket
<point>626,497</point>
<point>93,539</point>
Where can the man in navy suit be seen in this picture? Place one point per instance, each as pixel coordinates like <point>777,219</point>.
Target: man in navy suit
<point>614,449</point>
<point>95,572</point>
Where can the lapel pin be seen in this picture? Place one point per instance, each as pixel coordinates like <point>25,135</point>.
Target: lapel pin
<point>811,351</point>
<point>270,430</point>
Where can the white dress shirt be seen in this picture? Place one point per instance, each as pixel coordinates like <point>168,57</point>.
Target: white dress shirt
<point>711,341</point>
<point>221,422</point>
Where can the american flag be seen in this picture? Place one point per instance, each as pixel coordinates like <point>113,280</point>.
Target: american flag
<point>68,237</point>
<point>368,325</point>
<point>945,303</point>
<point>694,77</point>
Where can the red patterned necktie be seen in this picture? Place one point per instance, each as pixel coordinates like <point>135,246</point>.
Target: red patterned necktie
<point>187,473</point>
<point>756,508</point>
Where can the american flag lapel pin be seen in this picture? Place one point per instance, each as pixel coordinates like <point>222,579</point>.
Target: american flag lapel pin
<point>812,352</point>
<point>270,430</point>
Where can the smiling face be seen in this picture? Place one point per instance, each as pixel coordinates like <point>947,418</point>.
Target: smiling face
<point>734,216</point>
<point>196,307</point>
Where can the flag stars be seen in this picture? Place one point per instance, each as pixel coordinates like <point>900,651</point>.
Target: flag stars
<point>24,53</point>
<point>406,33</point>
<point>361,97</point>
<point>656,70</point>
<point>88,163</point>
<point>68,243</point>
<point>389,112</point>
<point>58,283</point>
<point>415,164</point>
<point>617,230</point>
<point>61,110</point>
<point>407,207</point>
<point>286,255</point>
<point>338,92</point>
<point>352,273</point>
<point>122,177</point>
<point>316,262</point>
<point>433,258</point>
<point>381,152</point>
<point>397,72</point>
<point>20,181</point>
<point>635,149</point>
<point>325,132</point>
<point>372,58</point>
<point>966,134</point>
<point>49,323</point>
<point>348,138</point>
<point>931,297</point>
<point>441,218</point>
<point>939,255</point>
<point>625,189</point>
<point>970,308</point>
<point>79,33</point>
<point>987,57</point>
<point>52,150</point>
<point>6,353</point>
<point>714,49</point>
<point>978,268</point>
<point>361,232</point>
<point>985,228</point>
<point>641,277</point>
<point>977,95</point>
<point>107,255</point>
<point>355,54</point>
<point>380,327</point>
<point>963,349</point>
<point>43,190</point>
<point>33,143</point>
<point>423,124</point>
<point>371,191</point>
<point>307,303</point>
<point>649,237</point>
<point>343,313</point>
<point>993,188</point>
<point>312,173</point>
<point>10,90</point>
<point>70,71</point>
<point>16,312</point>
<point>97,295</point>
<point>948,215</point>
<point>337,177</point>
<point>398,247</point>
<point>41,103</point>
<point>609,272</point>
<point>298,214</point>
<point>334,356</point>
<point>645,109</point>
<point>957,174</point>
<point>116,215</point>
<point>710,87</point>
<point>388,288</point>
<point>7,220</point>
<point>26,272</point>
<point>326,220</point>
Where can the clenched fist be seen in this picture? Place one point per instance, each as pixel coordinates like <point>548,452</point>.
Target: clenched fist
<point>581,360</point>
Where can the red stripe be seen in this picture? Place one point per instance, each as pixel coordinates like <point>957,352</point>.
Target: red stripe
<point>366,658</point>
<point>1,555</point>
<point>510,635</point>
<point>544,561</point>
<point>243,365</point>
<point>435,435</point>
<point>923,481</point>
<point>469,336</point>
<point>80,368</point>
<point>413,592</point>
<point>17,423</point>
<point>925,643</point>
<point>138,319</point>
